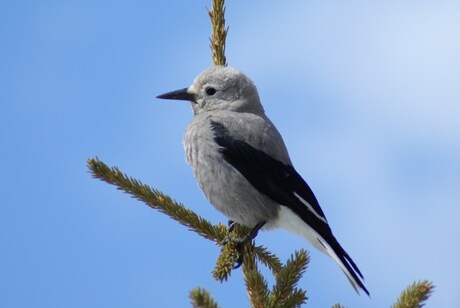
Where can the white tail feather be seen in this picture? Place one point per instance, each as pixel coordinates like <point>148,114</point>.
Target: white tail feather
<point>290,221</point>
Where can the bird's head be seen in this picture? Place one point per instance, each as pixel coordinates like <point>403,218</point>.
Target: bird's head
<point>220,88</point>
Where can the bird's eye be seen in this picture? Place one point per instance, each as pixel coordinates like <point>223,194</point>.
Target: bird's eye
<point>210,91</point>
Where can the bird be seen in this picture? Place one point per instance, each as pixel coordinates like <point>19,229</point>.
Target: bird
<point>242,165</point>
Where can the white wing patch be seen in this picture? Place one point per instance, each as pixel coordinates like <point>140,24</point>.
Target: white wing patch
<point>310,208</point>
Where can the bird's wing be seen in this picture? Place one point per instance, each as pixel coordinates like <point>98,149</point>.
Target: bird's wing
<point>284,185</point>
<point>279,181</point>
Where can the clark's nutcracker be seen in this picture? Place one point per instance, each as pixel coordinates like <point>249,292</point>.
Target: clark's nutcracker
<point>241,163</point>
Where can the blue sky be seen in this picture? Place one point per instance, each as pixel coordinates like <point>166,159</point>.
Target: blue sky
<point>366,95</point>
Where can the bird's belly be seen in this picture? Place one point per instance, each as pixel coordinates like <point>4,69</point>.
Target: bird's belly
<point>229,192</point>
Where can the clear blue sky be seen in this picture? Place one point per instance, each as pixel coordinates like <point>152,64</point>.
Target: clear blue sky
<point>366,95</point>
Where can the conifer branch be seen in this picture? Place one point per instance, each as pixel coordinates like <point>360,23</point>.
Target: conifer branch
<point>284,292</point>
<point>415,295</point>
<point>225,262</point>
<point>157,200</point>
<point>268,259</point>
<point>256,285</point>
<point>339,306</point>
<point>297,298</point>
<point>229,254</point>
<point>200,298</point>
<point>218,32</point>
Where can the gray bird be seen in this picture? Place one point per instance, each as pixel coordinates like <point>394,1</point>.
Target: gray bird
<point>241,163</point>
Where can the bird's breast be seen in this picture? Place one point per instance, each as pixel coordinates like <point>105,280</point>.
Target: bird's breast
<point>223,185</point>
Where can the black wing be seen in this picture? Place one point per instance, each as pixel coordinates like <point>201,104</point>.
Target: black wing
<point>282,184</point>
<point>279,181</point>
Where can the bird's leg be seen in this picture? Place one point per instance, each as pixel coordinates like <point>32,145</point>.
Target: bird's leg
<point>231,225</point>
<point>253,233</point>
<point>246,239</point>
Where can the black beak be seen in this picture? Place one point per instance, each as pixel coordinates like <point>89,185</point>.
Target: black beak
<point>181,94</point>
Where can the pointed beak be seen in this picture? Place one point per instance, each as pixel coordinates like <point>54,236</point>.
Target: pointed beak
<point>182,94</point>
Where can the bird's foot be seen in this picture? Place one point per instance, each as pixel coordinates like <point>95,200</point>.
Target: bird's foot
<point>240,242</point>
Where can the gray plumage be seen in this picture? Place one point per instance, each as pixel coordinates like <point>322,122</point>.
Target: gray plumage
<point>242,165</point>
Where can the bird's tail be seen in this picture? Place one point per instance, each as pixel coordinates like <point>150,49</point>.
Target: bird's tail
<point>345,262</point>
<point>330,246</point>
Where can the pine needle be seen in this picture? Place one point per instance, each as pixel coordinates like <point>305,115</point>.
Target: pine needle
<point>415,295</point>
<point>283,291</point>
<point>200,298</point>
<point>256,285</point>
<point>218,32</point>
<point>225,262</point>
<point>268,259</point>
